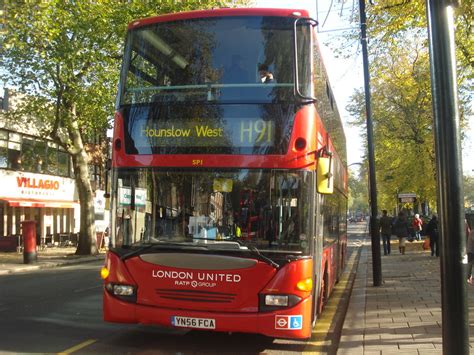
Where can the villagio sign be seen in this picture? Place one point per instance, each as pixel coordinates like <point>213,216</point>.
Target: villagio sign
<point>34,183</point>
<point>19,185</point>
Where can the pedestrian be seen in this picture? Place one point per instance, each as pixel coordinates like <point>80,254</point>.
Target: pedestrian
<point>470,251</point>
<point>433,234</point>
<point>417,225</point>
<point>386,231</point>
<point>401,230</point>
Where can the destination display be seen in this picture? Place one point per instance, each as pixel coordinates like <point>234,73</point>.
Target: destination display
<point>245,131</point>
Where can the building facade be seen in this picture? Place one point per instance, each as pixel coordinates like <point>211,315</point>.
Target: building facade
<point>36,183</point>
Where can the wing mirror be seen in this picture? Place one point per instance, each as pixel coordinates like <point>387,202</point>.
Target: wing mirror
<point>325,176</point>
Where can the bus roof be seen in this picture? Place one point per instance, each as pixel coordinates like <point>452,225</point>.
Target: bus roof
<point>218,13</point>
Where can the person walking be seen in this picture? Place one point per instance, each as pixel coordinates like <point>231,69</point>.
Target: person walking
<point>417,225</point>
<point>433,234</point>
<point>386,231</point>
<point>401,230</point>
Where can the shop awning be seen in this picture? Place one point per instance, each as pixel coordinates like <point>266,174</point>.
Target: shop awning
<point>40,203</point>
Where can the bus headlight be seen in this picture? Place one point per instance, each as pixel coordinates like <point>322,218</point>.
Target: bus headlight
<point>124,292</point>
<point>277,302</point>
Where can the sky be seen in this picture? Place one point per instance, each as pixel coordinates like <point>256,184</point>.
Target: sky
<point>346,75</point>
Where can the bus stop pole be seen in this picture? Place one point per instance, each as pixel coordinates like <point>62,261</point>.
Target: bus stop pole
<point>455,313</point>
<point>374,227</point>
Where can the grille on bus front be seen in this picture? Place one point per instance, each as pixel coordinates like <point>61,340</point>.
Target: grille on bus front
<point>196,296</point>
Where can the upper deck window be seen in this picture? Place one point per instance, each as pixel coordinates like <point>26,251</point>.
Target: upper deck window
<point>224,59</point>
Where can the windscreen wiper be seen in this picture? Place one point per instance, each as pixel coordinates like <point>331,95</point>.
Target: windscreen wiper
<point>256,252</point>
<point>159,244</point>
<point>136,251</point>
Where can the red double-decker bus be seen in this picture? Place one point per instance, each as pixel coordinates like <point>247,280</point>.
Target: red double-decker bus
<point>228,175</point>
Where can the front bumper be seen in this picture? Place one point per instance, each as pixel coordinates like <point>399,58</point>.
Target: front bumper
<point>293,323</point>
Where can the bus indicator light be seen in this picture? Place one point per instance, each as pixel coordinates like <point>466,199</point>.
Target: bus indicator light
<point>305,284</point>
<point>104,273</point>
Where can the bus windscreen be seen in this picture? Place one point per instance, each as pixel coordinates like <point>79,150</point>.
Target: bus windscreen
<point>266,209</point>
<point>215,59</point>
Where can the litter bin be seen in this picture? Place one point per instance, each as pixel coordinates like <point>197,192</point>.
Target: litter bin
<point>29,242</point>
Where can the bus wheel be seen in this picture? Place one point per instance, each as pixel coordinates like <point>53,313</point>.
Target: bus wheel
<point>323,294</point>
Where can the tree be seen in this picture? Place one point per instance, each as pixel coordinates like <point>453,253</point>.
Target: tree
<point>358,191</point>
<point>65,56</point>
<point>390,20</point>
<point>469,192</point>
<point>401,95</point>
<point>393,24</point>
<point>403,132</point>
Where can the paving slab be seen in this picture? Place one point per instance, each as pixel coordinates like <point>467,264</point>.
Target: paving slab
<point>403,315</point>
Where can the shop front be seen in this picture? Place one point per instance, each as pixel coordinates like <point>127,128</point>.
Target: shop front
<point>51,201</point>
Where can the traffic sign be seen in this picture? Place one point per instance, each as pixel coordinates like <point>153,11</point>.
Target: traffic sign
<point>407,195</point>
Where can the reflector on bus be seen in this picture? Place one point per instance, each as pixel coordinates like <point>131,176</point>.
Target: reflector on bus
<point>325,177</point>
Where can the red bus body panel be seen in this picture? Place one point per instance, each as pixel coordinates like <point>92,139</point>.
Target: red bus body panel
<point>218,13</point>
<point>231,299</point>
<point>330,263</point>
<point>210,290</point>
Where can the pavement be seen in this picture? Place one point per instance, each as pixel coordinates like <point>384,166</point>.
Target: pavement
<point>12,262</point>
<point>403,315</point>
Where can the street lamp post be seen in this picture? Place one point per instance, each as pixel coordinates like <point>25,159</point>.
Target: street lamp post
<point>455,310</point>
<point>374,227</point>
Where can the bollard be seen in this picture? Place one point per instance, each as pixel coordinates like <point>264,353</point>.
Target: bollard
<point>29,242</point>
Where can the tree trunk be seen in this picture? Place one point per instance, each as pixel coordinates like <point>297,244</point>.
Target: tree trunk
<point>87,244</point>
